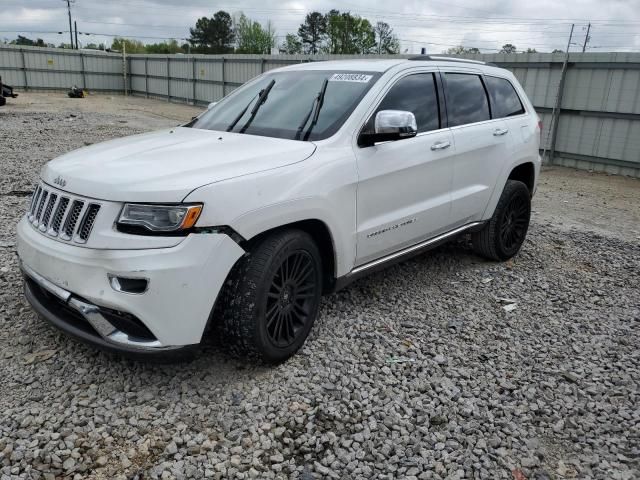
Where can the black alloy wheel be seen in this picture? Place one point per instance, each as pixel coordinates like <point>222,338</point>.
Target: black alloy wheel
<point>272,297</point>
<point>504,234</point>
<point>515,222</point>
<point>291,298</point>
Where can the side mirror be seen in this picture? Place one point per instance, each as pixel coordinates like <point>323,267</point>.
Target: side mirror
<point>390,125</point>
<point>211,105</point>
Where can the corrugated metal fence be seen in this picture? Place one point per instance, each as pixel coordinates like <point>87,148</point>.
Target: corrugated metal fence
<point>598,123</point>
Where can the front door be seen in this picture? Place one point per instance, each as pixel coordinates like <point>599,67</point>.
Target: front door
<point>404,187</point>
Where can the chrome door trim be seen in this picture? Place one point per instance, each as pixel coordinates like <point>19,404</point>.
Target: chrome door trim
<point>413,248</point>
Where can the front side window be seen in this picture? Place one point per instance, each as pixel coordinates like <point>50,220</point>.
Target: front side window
<point>416,94</point>
<point>289,105</point>
<point>504,99</point>
<point>466,99</point>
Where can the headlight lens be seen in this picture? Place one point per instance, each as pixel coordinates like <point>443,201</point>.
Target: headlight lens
<point>160,218</point>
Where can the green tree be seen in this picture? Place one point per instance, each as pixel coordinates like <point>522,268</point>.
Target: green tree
<point>291,44</point>
<point>213,35</point>
<point>460,50</point>
<point>349,34</point>
<point>557,50</point>
<point>251,37</point>
<point>27,41</point>
<point>386,41</point>
<point>132,46</point>
<point>531,50</point>
<point>312,32</point>
<point>165,47</point>
<point>508,48</point>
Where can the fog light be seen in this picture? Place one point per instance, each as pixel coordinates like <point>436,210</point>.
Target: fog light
<point>134,286</point>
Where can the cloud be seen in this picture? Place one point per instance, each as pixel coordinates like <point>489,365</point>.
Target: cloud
<point>436,25</point>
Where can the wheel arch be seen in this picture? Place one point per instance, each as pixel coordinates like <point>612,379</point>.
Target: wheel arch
<point>320,233</point>
<point>525,173</point>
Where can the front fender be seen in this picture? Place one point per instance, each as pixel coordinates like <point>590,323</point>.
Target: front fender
<point>322,188</point>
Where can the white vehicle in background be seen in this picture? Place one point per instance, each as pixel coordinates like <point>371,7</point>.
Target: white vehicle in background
<point>300,181</point>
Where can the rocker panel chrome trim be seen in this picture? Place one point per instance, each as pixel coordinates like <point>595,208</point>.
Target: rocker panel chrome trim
<point>413,248</point>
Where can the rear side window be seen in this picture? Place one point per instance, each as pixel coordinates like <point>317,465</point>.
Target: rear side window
<point>417,94</point>
<point>466,99</point>
<point>504,99</point>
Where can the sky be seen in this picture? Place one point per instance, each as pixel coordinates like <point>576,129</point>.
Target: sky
<point>435,25</point>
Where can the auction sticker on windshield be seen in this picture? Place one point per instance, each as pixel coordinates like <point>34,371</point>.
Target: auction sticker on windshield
<point>350,77</point>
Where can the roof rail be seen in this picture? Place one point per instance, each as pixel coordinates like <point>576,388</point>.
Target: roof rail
<point>432,58</point>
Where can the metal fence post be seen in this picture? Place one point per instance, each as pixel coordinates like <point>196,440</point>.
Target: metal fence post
<point>24,70</point>
<point>124,68</point>
<point>84,76</point>
<point>224,89</point>
<point>146,76</point>
<point>193,74</point>
<point>168,82</point>
<point>262,62</point>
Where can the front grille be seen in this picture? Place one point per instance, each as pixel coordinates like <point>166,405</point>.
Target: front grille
<point>58,214</point>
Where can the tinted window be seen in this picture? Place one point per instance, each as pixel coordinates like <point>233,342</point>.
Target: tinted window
<point>416,94</point>
<point>466,99</point>
<point>504,99</point>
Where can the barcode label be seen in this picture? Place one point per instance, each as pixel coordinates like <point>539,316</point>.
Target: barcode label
<point>350,77</point>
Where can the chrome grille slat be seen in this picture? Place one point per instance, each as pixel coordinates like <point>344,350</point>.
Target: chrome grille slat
<point>58,217</point>
<point>46,215</point>
<point>34,200</point>
<point>72,219</point>
<point>87,222</point>
<point>79,221</point>
<point>43,199</point>
<point>59,214</point>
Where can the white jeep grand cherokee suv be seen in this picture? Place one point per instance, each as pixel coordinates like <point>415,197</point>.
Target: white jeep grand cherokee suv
<point>298,182</point>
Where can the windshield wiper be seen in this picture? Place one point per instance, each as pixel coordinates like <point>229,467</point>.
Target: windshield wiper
<point>261,99</point>
<point>316,105</point>
<point>241,114</point>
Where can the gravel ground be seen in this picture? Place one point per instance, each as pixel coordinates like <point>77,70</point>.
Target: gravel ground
<point>416,372</point>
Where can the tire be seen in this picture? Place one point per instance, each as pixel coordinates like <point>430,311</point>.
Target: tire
<point>506,231</point>
<point>3,101</point>
<point>271,298</point>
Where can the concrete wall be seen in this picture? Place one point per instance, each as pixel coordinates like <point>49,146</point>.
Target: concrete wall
<point>598,122</point>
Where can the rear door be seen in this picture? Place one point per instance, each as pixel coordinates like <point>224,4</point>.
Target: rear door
<point>404,187</point>
<point>481,143</point>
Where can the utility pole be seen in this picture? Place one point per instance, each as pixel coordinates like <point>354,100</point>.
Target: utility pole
<point>70,28</point>
<point>586,38</point>
<point>555,114</point>
<point>75,26</point>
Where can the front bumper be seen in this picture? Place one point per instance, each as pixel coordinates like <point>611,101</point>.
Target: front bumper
<point>69,285</point>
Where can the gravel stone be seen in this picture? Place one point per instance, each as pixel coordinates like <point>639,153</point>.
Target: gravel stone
<point>414,372</point>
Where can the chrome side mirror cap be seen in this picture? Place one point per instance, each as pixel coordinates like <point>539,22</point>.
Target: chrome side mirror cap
<point>396,122</point>
<point>389,125</point>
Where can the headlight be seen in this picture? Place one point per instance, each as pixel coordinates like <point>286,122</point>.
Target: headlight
<point>159,218</point>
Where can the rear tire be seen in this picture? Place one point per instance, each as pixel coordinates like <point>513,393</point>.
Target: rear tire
<point>271,298</point>
<point>506,231</point>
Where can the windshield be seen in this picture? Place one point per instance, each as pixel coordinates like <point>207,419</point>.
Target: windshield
<point>297,105</point>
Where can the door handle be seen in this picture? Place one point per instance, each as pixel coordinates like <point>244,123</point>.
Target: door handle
<point>500,131</point>
<point>441,145</point>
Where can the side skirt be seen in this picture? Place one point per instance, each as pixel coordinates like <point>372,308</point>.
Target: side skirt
<point>402,255</point>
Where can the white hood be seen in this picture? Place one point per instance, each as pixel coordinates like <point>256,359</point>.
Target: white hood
<point>165,166</point>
